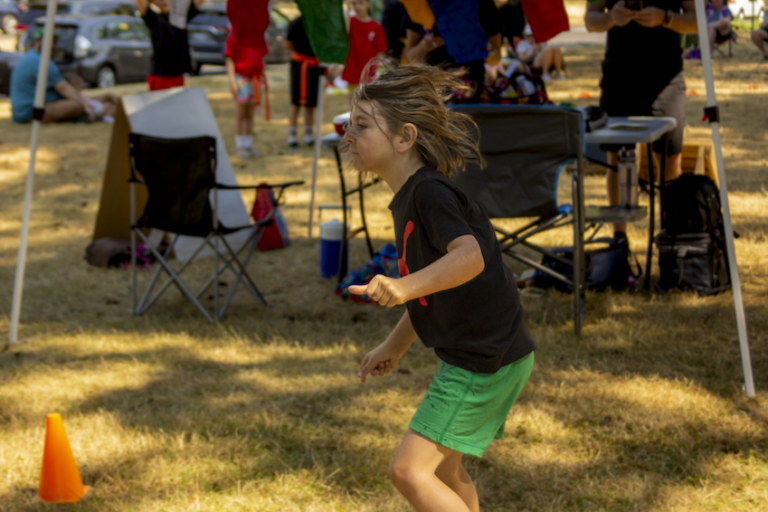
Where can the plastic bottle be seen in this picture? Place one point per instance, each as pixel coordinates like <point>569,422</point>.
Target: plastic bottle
<point>332,243</point>
<point>628,185</point>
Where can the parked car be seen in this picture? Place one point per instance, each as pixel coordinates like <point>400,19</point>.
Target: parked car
<point>742,9</point>
<point>7,62</point>
<point>9,15</point>
<point>36,9</point>
<point>208,32</point>
<point>103,50</point>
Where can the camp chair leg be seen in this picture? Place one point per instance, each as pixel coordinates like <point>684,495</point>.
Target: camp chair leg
<point>178,282</point>
<point>252,240</point>
<point>228,265</point>
<point>243,272</point>
<point>541,268</point>
<point>232,290</point>
<point>579,275</point>
<point>143,308</point>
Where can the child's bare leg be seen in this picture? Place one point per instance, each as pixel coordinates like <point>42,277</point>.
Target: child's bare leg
<point>558,60</point>
<point>413,474</point>
<point>249,109</point>
<point>453,474</point>
<point>241,112</point>
<point>293,116</point>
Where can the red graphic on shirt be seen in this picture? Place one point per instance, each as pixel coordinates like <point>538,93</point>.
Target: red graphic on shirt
<point>402,265</point>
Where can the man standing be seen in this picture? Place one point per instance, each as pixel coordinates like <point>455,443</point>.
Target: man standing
<point>62,100</point>
<point>170,46</point>
<point>643,71</point>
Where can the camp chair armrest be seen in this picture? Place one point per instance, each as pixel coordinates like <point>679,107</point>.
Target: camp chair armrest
<point>266,185</point>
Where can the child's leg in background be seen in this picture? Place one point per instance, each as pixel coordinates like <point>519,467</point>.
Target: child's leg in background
<point>414,473</point>
<point>309,122</point>
<point>293,119</point>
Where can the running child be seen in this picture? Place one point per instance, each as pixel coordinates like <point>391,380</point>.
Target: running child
<point>367,39</point>
<point>305,77</point>
<point>461,299</point>
<point>245,67</point>
<point>170,43</point>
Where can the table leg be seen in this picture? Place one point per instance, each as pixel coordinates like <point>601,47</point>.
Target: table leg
<point>662,177</point>
<point>651,216</point>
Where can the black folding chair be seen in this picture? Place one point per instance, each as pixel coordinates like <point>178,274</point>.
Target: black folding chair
<point>526,148</point>
<point>180,176</point>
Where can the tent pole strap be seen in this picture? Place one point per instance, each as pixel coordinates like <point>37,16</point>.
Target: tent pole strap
<point>741,323</point>
<point>39,105</point>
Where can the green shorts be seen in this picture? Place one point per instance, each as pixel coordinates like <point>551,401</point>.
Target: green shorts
<point>464,410</point>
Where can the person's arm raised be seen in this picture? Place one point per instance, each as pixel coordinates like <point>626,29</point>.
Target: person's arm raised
<point>463,263</point>
<point>142,6</point>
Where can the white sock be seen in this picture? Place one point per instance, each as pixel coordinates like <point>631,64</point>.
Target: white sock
<point>292,135</point>
<point>239,139</point>
<point>247,141</point>
<point>308,135</point>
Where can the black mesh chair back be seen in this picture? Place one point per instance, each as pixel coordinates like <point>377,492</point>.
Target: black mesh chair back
<point>179,175</point>
<point>525,148</point>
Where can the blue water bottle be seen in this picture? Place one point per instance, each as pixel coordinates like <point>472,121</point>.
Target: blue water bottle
<point>332,245</point>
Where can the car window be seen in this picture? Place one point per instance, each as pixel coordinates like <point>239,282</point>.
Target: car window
<point>201,36</point>
<point>142,32</point>
<point>117,30</point>
<point>210,19</point>
<point>278,19</point>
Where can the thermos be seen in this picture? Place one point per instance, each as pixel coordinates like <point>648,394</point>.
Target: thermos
<point>628,186</point>
<point>333,257</point>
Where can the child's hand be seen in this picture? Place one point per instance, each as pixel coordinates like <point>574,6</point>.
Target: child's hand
<point>379,361</point>
<point>383,290</point>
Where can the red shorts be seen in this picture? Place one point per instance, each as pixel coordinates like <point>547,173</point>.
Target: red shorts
<point>158,83</point>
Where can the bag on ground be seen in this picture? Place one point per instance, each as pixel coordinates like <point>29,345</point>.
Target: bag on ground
<point>275,234</point>
<point>385,262</point>
<point>606,266</point>
<point>692,248</point>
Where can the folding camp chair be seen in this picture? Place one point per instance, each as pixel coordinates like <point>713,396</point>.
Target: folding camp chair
<point>525,149</point>
<point>180,176</point>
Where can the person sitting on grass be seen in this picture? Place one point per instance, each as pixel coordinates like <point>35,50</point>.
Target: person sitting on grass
<point>719,20</point>
<point>170,44</point>
<point>760,36</point>
<point>461,299</point>
<point>104,105</point>
<point>244,68</point>
<point>63,102</point>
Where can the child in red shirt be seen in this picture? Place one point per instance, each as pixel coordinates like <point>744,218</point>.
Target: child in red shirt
<point>366,40</point>
<point>244,67</point>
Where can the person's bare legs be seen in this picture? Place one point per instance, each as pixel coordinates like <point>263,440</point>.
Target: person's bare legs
<point>758,37</point>
<point>672,171</point>
<point>543,60</point>
<point>293,116</point>
<point>413,473</point>
<point>557,60</point>
<point>452,473</point>
<point>109,101</point>
<point>61,110</point>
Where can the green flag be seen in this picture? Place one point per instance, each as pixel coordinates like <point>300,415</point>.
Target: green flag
<point>324,22</point>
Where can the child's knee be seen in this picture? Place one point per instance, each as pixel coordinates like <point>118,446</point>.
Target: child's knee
<point>402,472</point>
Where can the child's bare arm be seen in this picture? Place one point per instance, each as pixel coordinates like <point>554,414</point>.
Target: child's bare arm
<point>231,76</point>
<point>385,357</point>
<point>463,262</point>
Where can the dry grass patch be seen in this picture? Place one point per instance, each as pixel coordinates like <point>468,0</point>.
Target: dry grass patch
<point>262,412</point>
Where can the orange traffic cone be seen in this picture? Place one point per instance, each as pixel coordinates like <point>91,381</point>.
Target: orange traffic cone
<point>60,480</point>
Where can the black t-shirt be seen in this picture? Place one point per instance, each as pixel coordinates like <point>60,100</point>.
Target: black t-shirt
<point>490,20</point>
<point>393,22</point>
<point>297,35</point>
<point>170,45</point>
<point>513,19</point>
<point>642,60</point>
<point>478,326</point>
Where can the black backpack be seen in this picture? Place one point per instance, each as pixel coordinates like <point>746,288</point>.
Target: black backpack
<point>607,265</point>
<point>692,248</point>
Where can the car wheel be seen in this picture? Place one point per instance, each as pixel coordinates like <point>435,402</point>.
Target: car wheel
<point>9,24</point>
<point>105,77</point>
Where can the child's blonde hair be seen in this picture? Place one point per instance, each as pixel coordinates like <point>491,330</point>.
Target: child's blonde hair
<point>417,94</point>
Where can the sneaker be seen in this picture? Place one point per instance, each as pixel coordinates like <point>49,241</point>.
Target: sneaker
<point>293,145</point>
<point>244,153</point>
<point>252,152</point>
<point>545,77</point>
<point>309,141</point>
<point>561,76</point>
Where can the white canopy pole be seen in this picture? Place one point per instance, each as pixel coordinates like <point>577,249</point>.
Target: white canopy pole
<point>41,86</point>
<point>318,123</point>
<point>706,61</point>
